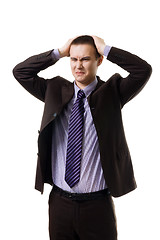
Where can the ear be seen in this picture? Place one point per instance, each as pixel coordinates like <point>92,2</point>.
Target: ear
<point>100,60</point>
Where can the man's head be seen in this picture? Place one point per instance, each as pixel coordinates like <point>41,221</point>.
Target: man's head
<point>86,39</point>
<point>84,59</point>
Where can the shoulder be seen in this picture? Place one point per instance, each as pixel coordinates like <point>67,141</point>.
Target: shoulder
<point>59,86</point>
<point>58,81</point>
<point>108,90</point>
<point>113,81</point>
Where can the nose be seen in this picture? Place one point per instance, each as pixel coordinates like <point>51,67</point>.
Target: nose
<point>79,64</point>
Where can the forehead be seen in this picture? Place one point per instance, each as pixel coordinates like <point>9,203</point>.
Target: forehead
<point>82,50</point>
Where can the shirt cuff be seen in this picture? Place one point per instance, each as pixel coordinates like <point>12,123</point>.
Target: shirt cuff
<point>55,54</point>
<point>107,50</point>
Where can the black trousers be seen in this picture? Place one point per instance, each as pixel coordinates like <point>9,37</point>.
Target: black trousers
<point>81,220</point>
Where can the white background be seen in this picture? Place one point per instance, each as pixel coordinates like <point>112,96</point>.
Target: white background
<point>35,26</point>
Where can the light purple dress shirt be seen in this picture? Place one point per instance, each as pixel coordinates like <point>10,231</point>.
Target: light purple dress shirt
<point>91,175</point>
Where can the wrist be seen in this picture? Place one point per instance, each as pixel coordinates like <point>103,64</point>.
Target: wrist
<point>106,50</point>
<point>61,53</point>
<point>55,54</point>
<point>102,49</point>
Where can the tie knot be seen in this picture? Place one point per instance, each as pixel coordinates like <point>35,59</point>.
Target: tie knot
<point>80,94</point>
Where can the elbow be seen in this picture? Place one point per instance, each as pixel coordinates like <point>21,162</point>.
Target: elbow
<point>145,72</point>
<point>148,70</point>
<point>15,72</point>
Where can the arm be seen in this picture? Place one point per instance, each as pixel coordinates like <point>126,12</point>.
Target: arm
<point>139,70</point>
<point>27,71</point>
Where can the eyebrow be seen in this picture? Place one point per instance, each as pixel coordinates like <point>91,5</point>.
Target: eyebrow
<point>84,58</point>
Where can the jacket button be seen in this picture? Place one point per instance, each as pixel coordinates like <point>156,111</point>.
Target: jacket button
<point>54,114</point>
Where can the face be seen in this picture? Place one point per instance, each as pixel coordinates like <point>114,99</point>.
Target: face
<point>84,64</point>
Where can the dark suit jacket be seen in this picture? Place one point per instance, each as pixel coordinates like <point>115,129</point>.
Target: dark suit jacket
<point>105,102</point>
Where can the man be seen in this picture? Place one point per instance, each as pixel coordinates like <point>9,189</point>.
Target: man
<point>83,152</point>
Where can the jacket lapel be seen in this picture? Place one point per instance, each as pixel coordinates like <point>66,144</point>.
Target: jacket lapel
<point>66,93</point>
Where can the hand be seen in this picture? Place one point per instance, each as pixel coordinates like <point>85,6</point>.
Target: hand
<point>64,51</point>
<point>100,44</point>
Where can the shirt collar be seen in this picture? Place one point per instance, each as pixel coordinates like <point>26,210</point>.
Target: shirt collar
<point>88,89</point>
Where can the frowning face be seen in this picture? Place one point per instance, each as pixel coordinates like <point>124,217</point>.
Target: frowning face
<point>84,64</point>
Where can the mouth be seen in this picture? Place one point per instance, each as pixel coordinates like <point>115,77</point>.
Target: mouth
<point>79,73</point>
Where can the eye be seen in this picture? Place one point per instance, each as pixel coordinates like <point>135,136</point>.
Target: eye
<point>86,59</point>
<point>73,59</point>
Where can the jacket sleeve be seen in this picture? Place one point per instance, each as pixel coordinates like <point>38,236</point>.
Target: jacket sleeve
<point>26,73</point>
<point>138,69</point>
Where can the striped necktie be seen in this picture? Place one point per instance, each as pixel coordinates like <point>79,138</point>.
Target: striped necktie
<point>74,147</point>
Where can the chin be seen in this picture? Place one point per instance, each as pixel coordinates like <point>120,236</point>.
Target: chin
<point>81,81</point>
<point>80,78</point>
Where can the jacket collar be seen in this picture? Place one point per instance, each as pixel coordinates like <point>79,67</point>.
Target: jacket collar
<point>68,90</point>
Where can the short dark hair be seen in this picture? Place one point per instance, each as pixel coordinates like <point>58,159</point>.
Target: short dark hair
<point>86,39</point>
